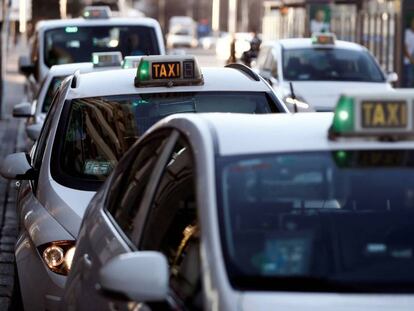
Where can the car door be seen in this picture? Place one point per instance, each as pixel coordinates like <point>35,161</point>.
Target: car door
<point>171,226</point>
<point>108,224</point>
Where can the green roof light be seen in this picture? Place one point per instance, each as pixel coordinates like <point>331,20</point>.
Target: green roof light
<point>143,71</point>
<point>344,116</point>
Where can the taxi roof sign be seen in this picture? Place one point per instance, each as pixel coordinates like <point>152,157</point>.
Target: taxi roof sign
<point>131,62</point>
<point>107,59</point>
<point>168,71</point>
<point>323,38</point>
<point>389,114</point>
<point>96,12</point>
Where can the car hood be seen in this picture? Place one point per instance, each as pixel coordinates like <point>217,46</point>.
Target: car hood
<point>325,95</point>
<point>326,302</point>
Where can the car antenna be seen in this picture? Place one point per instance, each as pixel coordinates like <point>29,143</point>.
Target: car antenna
<point>293,96</point>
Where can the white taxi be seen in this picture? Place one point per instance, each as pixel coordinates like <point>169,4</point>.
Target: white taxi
<point>74,40</point>
<point>315,71</point>
<point>93,120</point>
<point>228,214</point>
<point>35,112</point>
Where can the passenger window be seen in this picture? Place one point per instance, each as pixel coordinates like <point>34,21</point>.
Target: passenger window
<point>172,227</point>
<point>123,203</point>
<point>44,134</point>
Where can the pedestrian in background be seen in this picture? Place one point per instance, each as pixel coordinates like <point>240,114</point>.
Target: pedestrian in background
<point>409,55</point>
<point>318,23</point>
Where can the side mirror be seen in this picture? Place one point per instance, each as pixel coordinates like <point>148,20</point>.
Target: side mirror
<point>23,110</point>
<point>26,67</point>
<point>33,131</point>
<point>17,166</point>
<point>139,276</point>
<point>392,77</point>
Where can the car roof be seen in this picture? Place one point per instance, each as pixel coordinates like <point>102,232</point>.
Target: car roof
<point>298,43</point>
<point>121,81</point>
<point>68,69</point>
<point>272,133</point>
<point>56,23</point>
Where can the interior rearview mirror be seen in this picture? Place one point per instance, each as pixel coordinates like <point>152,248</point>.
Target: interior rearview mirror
<point>33,131</point>
<point>17,166</point>
<point>392,77</point>
<point>22,110</point>
<point>139,276</point>
<point>26,67</point>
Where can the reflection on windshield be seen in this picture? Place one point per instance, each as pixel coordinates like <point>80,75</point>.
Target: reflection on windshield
<point>319,221</point>
<point>76,44</point>
<point>330,64</point>
<point>101,130</point>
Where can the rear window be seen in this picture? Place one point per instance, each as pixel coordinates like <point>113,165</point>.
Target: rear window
<point>96,132</point>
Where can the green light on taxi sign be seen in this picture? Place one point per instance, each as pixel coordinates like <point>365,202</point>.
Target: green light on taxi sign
<point>344,116</point>
<point>143,72</point>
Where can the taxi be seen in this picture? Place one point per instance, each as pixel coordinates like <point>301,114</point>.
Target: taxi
<point>35,112</point>
<point>228,214</point>
<point>315,71</point>
<point>93,120</point>
<point>74,40</point>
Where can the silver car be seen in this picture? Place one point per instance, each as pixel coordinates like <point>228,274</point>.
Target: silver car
<point>219,212</point>
<point>35,112</point>
<point>93,120</point>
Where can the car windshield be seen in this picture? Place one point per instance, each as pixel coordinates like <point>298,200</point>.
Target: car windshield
<point>338,221</point>
<point>75,44</point>
<point>98,131</point>
<point>326,64</point>
<point>53,86</point>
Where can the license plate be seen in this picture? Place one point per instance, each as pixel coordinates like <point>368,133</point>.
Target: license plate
<point>169,70</point>
<point>384,114</point>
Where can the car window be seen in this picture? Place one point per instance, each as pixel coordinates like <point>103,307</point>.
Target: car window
<point>325,64</point>
<point>128,187</point>
<point>96,132</point>
<point>76,44</point>
<point>172,226</point>
<point>51,90</point>
<point>318,221</point>
<point>42,141</point>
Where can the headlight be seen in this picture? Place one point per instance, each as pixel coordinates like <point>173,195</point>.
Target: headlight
<point>300,103</point>
<point>58,255</point>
